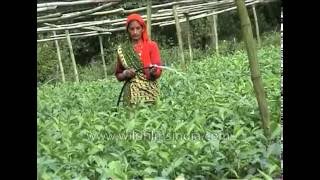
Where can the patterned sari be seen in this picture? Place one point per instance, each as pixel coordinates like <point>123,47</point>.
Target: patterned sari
<point>138,89</point>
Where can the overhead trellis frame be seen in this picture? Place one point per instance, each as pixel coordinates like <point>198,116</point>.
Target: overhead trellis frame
<point>162,15</point>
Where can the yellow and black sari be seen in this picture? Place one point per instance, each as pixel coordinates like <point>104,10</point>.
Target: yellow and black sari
<point>138,89</point>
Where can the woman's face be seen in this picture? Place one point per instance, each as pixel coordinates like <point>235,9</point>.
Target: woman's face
<point>135,30</point>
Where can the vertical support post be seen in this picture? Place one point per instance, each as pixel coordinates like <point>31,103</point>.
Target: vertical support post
<point>59,58</point>
<point>256,24</point>
<point>254,65</point>
<point>149,17</point>
<point>102,56</point>
<point>72,56</point>
<point>189,37</point>
<point>178,28</point>
<point>215,32</point>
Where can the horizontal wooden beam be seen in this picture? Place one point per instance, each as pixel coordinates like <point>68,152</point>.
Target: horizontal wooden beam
<point>46,8</point>
<point>49,16</point>
<point>76,14</point>
<point>73,3</point>
<point>73,27</point>
<point>201,11</point>
<point>203,15</point>
<point>72,37</point>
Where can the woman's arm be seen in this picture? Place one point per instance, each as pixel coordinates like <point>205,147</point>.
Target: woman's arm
<point>155,59</point>
<point>123,74</point>
<point>119,71</point>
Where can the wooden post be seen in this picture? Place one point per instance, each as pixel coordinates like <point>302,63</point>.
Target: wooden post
<point>211,25</point>
<point>189,37</point>
<point>149,17</point>
<point>178,28</point>
<point>102,56</point>
<point>72,56</point>
<point>215,31</point>
<point>256,23</point>
<point>59,59</point>
<point>254,66</point>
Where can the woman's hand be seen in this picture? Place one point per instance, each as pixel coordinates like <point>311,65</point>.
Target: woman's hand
<point>129,73</point>
<point>152,72</point>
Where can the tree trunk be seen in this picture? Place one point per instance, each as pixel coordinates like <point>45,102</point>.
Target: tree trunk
<point>254,66</point>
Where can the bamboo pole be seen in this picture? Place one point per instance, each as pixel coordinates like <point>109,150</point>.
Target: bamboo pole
<point>215,31</point>
<point>198,12</point>
<point>96,28</point>
<point>75,14</point>
<point>59,59</point>
<point>77,25</point>
<point>257,25</point>
<point>194,6</point>
<point>204,15</point>
<point>121,10</point>
<point>49,25</point>
<point>49,16</point>
<point>102,56</point>
<point>177,3</point>
<point>75,36</point>
<point>211,28</point>
<point>210,5</point>
<point>89,35</point>
<point>189,38</point>
<point>122,20</point>
<point>254,66</point>
<point>73,3</point>
<point>161,5</point>
<point>73,27</point>
<point>117,29</point>
<point>145,19</point>
<point>72,56</point>
<point>215,3</point>
<point>178,28</point>
<point>149,17</point>
<point>207,6</point>
<point>46,8</point>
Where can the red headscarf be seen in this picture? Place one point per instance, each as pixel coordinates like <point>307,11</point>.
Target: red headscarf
<point>145,56</point>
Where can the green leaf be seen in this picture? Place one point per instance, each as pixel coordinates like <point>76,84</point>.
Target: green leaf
<point>234,172</point>
<point>150,171</point>
<point>239,132</point>
<point>191,127</point>
<point>267,177</point>
<point>148,163</point>
<point>98,127</point>
<point>45,147</point>
<point>164,155</point>
<point>275,149</point>
<point>130,125</point>
<point>276,132</point>
<point>179,126</point>
<point>115,170</point>
<point>96,148</point>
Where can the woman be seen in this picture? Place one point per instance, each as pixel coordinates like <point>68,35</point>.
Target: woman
<point>135,64</point>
